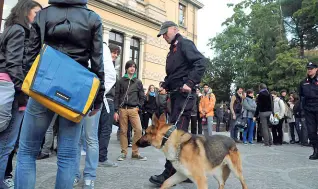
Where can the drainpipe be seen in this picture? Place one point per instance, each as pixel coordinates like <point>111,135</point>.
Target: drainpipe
<point>193,22</point>
<point>1,12</point>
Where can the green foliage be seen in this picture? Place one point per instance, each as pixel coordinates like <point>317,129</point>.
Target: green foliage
<point>253,48</point>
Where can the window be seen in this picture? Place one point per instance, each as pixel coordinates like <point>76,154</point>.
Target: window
<point>7,6</point>
<point>182,9</point>
<point>134,51</point>
<point>117,39</point>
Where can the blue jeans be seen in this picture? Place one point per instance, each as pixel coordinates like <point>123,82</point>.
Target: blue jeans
<point>105,130</point>
<point>35,124</point>
<point>207,129</point>
<point>90,130</point>
<point>249,130</point>
<point>8,138</point>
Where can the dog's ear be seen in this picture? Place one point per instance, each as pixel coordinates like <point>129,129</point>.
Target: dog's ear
<point>162,119</point>
<point>155,120</point>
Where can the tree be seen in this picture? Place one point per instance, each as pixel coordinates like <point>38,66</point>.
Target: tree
<point>254,49</point>
<point>301,17</point>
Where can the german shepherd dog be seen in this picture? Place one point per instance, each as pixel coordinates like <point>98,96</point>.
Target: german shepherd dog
<point>194,156</point>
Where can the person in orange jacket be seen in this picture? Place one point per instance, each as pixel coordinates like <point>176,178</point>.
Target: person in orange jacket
<point>206,109</point>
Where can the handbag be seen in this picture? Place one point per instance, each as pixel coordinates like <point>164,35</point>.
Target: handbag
<point>60,83</point>
<point>241,122</point>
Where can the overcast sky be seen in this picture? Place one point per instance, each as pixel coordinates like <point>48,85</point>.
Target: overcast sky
<point>210,18</point>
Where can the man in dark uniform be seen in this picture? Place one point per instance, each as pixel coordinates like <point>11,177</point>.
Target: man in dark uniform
<point>309,103</point>
<point>185,67</point>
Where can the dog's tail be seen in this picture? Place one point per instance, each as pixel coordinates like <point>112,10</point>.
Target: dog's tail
<point>234,162</point>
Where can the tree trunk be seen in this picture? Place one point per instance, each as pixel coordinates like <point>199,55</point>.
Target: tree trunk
<point>302,46</point>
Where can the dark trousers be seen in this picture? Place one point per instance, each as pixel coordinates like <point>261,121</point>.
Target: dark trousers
<point>9,168</point>
<point>146,117</point>
<point>312,124</point>
<point>303,130</point>
<point>292,127</point>
<point>259,131</point>
<point>194,124</point>
<point>277,131</point>
<point>105,130</point>
<point>177,102</point>
<point>199,124</point>
<point>227,125</point>
<point>218,124</point>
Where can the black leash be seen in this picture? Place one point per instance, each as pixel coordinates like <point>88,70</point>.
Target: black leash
<point>174,127</point>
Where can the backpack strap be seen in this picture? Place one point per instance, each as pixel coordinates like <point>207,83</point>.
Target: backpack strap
<point>42,26</point>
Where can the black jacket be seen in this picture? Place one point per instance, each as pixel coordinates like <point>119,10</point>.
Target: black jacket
<point>161,100</point>
<point>184,65</point>
<point>263,103</point>
<point>76,31</point>
<point>297,110</point>
<point>13,54</point>
<point>150,105</point>
<point>129,92</point>
<point>308,92</point>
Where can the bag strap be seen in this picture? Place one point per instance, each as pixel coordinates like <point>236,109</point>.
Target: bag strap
<point>43,26</point>
<point>126,93</point>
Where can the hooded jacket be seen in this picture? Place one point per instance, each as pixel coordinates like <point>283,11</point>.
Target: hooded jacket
<point>76,31</point>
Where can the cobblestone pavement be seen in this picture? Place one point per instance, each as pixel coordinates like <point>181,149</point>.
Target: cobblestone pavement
<point>278,167</point>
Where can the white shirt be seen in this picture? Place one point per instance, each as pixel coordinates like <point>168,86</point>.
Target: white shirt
<point>109,71</point>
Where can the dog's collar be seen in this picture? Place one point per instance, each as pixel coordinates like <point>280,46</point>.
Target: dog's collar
<point>167,135</point>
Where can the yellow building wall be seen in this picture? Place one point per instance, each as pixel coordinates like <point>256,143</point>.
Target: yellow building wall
<point>154,50</point>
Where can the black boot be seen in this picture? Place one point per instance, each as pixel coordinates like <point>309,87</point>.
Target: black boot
<point>160,179</point>
<point>314,156</point>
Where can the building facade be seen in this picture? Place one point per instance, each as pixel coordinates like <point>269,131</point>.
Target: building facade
<point>133,25</point>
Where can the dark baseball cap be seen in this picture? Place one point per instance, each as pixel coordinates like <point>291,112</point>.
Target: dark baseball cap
<point>164,27</point>
<point>311,65</point>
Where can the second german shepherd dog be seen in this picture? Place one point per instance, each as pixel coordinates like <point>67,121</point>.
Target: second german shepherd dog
<point>194,156</point>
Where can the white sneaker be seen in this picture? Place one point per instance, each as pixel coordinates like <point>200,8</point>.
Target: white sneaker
<point>8,183</point>
<point>76,182</point>
<point>83,153</point>
<point>88,184</point>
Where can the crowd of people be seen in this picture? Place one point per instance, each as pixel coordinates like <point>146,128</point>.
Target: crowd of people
<point>28,128</point>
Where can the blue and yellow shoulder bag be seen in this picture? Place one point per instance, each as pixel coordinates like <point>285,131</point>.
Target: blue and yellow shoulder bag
<point>60,83</point>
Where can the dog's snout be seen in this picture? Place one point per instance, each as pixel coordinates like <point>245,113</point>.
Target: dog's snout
<point>142,143</point>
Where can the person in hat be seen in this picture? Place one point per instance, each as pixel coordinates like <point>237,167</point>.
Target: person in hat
<point>185,66</point>
<point>309,104</point>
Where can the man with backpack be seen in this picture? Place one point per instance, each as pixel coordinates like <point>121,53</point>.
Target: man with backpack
<point>236,111</point>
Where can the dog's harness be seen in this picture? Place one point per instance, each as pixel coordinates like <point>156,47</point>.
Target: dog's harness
<point>174,127</point>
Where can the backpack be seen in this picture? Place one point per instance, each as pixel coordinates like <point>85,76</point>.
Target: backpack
<point>237,106</point>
